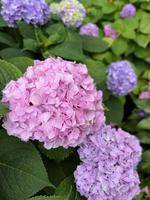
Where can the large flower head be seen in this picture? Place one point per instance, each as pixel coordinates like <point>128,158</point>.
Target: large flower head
<point>72,12</point>
<point>121,78</point>
<point>55,102</point>
<point>108,169</point>
<point>89,29</point>
<point>31,11</point>
<point>128,10</point>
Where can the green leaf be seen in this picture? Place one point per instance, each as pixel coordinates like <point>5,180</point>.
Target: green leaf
<point>71,48</point>
<point>108,7</point>
<point>97,70</point>
<point>142,52</point>
<point>3,110</point>
<point>13,52</point>
<point>26,30</point>
<point>145,165</point>
<point>22,173</point>
<point>57,154</point>
<point>115,108</point>
<point>144,136</point>
<point>8,72</point>
<point>31,45</point>
<point>142,40</point>
<point>57,34</point>
<point>5,38</point>
<point>144,24</point>
<point>2,22</point>
<point>48,198</point>
<point>144,124</point>
<point>119,46</point>
<point>129,34</point>
<point>93,44</point>
<point>66,188</point>
<point>21,62</point>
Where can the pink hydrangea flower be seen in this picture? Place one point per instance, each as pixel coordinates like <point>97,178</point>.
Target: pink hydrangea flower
<point>55,102</point>
<point>109,32</point>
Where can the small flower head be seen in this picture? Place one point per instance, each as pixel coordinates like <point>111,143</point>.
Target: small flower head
<point>142,113</point>
<point>36,13</point>
<point>55,8</point>
<point>89,29</point>
<point>55,102</point>
<point>121,78</point>
<point>128,10</point>
<point>108,169</point>
<point>72,13</point>
<point>109,32</point>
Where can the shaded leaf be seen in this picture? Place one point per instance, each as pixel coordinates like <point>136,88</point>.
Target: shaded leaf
<point>93,44</point>
<point>21,62</point>
<point>22,173</point>
<point>3,110</point>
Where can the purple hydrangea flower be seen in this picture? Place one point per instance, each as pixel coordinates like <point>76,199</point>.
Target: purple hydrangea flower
<point>118,145</point>
<point>105,181</point>
<point>31,11</point>
<point>89,29</point>
<point>128,10</point>
<point>121,78</point>
<point>142,113</point>
<point>109,32</point>
<point>72,13</point>
<point>108,169</point>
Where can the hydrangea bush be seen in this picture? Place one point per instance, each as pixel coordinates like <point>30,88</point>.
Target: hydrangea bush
<point>74,100</point>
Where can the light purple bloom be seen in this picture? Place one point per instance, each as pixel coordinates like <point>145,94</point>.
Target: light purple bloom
<point>121,78</point>
<point>113,144</point>
<point>105,181</point>
<point>89,29</point>
<point>72,13</point>
<point>109,32</point>
<point>108,169</point>
<point>128,10</point>
<point>31,11</point>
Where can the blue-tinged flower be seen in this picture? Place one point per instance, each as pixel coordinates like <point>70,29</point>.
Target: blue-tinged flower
<point>35,12</point>
<point>89,29</point>
<point>72,13</point>
<point>108,169</point>
<point>121,78</point>
<point>129,10</point>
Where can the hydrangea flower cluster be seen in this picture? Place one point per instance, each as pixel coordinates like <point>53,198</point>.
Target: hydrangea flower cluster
<point>72,13</point>
<point>55,8</point>
<point>55,102</point>
<point>89,29</point>
<point>109,32</point>
<point>128,10</point>
<point>36,13</point>
<point>121,78</point>
<point>108,169</point>
<point>145,95</point>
